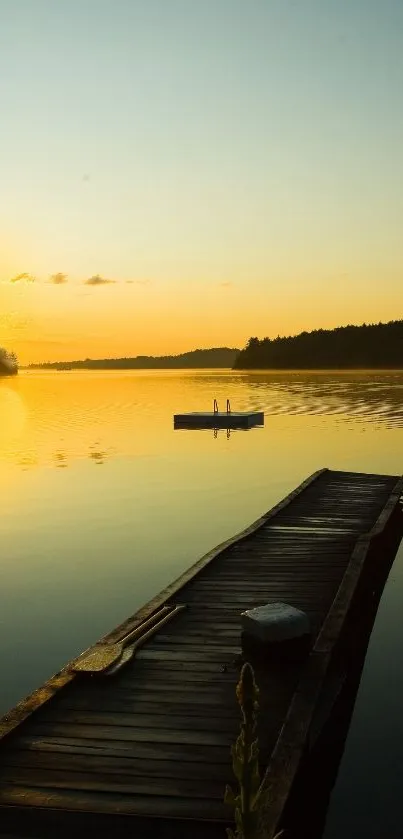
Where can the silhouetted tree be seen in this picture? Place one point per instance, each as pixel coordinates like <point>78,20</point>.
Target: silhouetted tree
<point>8,362</point>
<point>367,346</point>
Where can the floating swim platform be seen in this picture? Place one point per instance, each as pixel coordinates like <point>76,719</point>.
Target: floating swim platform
<point>145,751</point>
<point>219,419</point>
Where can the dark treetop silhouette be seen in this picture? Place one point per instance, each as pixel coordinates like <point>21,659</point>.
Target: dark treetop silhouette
<point>367,346</point>
<point>8,363</point>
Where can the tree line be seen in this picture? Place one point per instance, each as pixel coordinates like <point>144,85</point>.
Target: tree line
<point>215,357</point>
<point>368,346</point>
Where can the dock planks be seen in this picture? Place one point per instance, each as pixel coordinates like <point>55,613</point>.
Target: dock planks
<point>154,740</point>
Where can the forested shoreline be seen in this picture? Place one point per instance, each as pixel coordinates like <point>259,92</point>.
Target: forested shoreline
<point>370,346</point>
<point>214,357</point>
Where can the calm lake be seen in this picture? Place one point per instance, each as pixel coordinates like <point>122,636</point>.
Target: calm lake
<point>103,504</point>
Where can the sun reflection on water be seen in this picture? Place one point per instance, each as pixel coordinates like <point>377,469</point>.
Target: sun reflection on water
<point>52,419</point>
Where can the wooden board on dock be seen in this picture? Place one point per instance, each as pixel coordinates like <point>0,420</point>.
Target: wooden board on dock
<point>151,745</point>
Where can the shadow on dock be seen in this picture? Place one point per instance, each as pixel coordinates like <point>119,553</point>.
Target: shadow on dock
<point>306,810</point>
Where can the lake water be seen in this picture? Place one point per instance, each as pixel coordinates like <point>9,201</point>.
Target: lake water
<point>103,504</point>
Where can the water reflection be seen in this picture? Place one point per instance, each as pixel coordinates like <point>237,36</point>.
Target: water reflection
<point>27,461</point>
<point>53,419</point>
<point>217,432</point>
<point>356,396</point>
<point>97,457</point>
<point>227,430</point>
<point>60,460</point>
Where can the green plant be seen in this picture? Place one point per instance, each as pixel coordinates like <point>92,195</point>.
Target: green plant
<point>247,803</point>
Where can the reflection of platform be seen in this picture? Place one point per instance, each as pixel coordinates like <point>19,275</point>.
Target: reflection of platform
<point>219,419</point>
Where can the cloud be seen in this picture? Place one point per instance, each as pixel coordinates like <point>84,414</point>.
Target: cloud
<point>137,282</point>
<point>227,284</point>
<point>12,320</point>
<point>58,279</point>
<point>23,278</point>
<point>97,280</point>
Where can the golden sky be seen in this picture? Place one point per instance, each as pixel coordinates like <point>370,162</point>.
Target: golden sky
<point>45,322</point>
<point>231,169</point>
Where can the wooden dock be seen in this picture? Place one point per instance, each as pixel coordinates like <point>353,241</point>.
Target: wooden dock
<point>147,752</point>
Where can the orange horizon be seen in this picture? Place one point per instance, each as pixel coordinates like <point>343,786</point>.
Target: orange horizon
<point>37,351</point>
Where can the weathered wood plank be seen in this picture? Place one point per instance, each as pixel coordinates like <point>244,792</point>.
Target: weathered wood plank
<point>155,786</point>
<point>140,719</point>
<point>219,693</point>
<point>148,705</point>
<point>219,707</point>
<point>176,752</point>
<point>123,765</point>
<point>97,802</point>
<point>135,735</point>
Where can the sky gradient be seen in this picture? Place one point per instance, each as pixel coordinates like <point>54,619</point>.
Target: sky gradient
<point>231,168</point>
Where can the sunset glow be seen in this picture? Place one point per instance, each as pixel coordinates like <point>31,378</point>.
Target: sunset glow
<point>180,175</point>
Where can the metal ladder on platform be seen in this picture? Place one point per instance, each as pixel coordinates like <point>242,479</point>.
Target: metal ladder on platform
<point>215,407</point>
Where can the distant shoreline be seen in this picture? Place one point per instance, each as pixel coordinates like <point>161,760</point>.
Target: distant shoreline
<point>247,370</point>
<point>216,357</point>
<point>366,347</point>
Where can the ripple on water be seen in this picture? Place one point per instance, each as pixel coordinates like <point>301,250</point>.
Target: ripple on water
<point>54,420</point>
